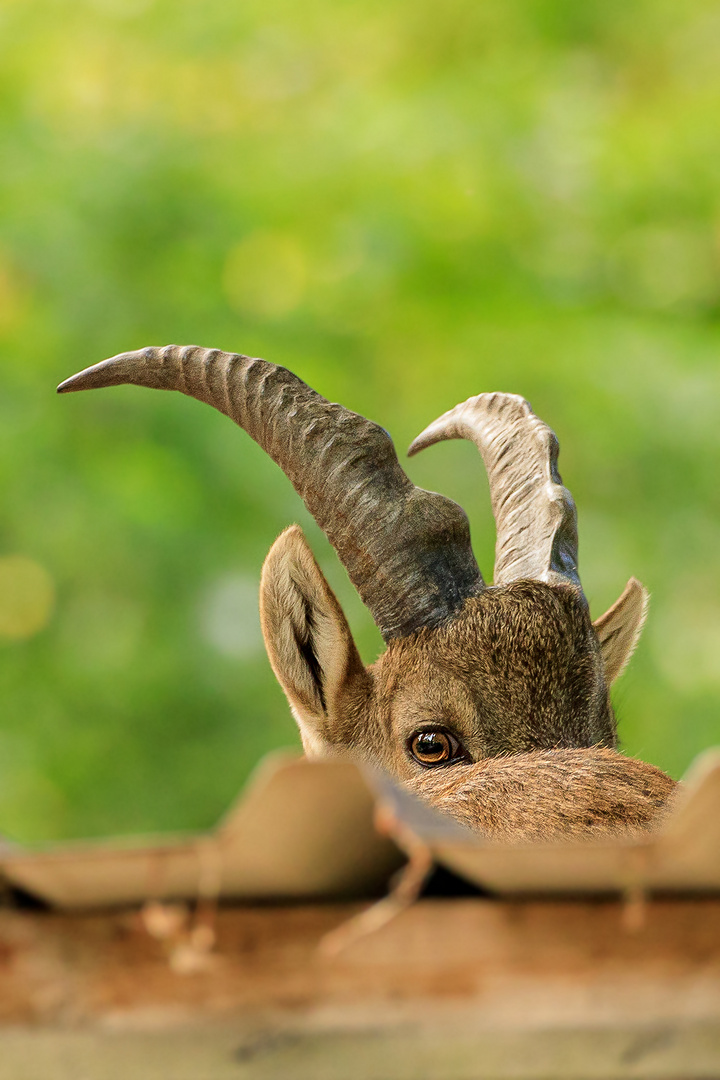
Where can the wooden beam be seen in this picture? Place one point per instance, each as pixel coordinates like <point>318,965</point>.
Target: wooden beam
<point>451,989</point>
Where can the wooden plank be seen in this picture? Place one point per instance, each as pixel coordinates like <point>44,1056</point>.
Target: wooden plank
<point>451,989</point>
<point>300,828</point>
<point>227,1053</point>
<point>306,829</point>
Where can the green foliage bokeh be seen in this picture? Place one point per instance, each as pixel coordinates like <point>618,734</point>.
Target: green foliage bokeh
<point>406,203</point>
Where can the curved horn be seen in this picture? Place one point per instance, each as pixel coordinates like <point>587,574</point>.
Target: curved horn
<point>407,551</point>
<point>534,514</point>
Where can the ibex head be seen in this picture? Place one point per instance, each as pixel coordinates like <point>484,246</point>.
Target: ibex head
<point>471,671</point>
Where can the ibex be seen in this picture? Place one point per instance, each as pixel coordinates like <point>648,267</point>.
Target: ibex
<point>491,701</point>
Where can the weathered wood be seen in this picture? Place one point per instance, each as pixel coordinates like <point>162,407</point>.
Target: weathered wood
<point>300,828</point>
<point>450,990</point>
<point>226,1053</point>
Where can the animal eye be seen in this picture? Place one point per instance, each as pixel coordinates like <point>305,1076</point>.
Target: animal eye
<point>435,748</point>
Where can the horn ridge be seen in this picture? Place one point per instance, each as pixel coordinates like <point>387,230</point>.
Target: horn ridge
<point>535,514</point>
<point>406,550</point>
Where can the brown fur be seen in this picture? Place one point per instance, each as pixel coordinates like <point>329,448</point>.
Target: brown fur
<point>551,795</point>
<point>518,676</point>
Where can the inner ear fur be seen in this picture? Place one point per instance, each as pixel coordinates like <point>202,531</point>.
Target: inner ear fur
<point>307,638</point>
<point>619,629</point>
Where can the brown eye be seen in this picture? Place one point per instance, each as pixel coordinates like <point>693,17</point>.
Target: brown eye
<point>434,747</point>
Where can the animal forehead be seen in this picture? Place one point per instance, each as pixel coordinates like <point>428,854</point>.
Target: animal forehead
<point>529,614</point>
<point>521,613</point>
<point>522,622</point>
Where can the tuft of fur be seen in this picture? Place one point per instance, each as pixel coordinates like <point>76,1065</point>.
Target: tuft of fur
<point>551,795</point>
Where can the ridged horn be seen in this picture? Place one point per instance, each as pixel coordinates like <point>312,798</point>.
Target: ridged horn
<point>535,515</point>
<point>407,551</point>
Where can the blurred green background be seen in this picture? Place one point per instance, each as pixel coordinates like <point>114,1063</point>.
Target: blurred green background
<point>406,203</point>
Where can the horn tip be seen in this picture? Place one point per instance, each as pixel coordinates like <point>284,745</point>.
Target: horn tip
<point>426,438</point>
<point>82,381</point>
<point>68,386</point>
<point>110,372</point>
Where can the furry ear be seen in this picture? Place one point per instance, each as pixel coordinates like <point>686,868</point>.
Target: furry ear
<point>619,629</point>
<point>307,638</point>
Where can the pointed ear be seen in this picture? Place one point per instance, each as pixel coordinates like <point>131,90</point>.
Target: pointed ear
<point>307,639</point>
<point>619,629</point>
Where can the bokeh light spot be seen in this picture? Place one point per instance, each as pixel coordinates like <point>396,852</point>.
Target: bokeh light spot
<point>229,616</point>
<point>27,597</point>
